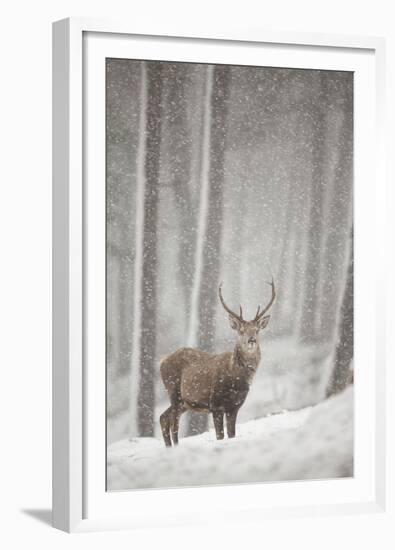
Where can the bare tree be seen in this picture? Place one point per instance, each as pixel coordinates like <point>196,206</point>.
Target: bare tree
<point>285,265</point>
<point>212,251</point>
<point>310,310</point>
<point>134,378</point>
<point>345,344</point>
<point>121,140</point>
<point>212,226</point>
<point>179,148</point>
<point>339,203</point>
<point>148,277</point>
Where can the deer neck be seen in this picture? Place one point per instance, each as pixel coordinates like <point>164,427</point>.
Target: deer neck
<point>246,362</point>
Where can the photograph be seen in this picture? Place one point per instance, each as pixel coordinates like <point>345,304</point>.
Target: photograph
<point>229,274</point>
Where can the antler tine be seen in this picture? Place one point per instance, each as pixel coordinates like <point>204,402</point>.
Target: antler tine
<point>240,317</point>
<point>261,314</point>
<point>257,312</point>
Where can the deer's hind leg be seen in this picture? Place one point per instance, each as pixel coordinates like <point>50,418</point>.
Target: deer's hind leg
<point>231,422</point>
<point>165,425</point>
<point>175,415</point>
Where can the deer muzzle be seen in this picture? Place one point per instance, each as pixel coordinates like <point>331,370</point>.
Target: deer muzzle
<point>251,343</point>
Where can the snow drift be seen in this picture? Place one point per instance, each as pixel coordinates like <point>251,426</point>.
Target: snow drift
<point>311,443</point>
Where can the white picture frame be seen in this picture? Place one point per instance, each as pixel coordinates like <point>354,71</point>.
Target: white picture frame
<point>80,501</point>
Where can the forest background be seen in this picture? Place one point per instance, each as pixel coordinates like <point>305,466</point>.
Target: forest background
<point>227,173</point>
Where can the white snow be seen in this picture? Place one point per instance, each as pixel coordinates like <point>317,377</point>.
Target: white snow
<point>311,443</point>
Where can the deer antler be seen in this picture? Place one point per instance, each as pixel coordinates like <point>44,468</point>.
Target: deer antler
<point>232,313</point>
<point>262,313</point>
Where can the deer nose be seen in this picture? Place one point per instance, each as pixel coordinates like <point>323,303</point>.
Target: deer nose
<point>251,340</point>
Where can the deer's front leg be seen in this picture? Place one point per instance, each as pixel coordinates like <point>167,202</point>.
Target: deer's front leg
<point>218,417</point>
<point>231,422</point>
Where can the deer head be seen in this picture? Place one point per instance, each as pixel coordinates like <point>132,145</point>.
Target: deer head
<point>248,330</point>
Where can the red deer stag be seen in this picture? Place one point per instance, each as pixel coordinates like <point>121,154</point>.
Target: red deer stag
<point>213,383</point>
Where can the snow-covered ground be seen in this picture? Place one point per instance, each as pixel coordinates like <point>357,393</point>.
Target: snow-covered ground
<point>312,443</point>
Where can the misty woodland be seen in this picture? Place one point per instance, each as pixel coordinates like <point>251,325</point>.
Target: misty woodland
<point>229,274</point>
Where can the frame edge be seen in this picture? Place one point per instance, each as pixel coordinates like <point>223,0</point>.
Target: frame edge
<point>60,274</point>
<point>67,454</point>
<point>67,459</point>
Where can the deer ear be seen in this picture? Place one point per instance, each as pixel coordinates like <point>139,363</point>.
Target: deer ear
<point>262,323</point>
<point>234,323</point>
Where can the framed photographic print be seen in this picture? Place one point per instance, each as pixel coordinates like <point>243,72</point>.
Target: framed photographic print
<point>218,208</point>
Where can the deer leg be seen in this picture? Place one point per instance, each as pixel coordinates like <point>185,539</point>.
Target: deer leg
<point>175,421</point>
<point>218,417</point>
<point>231,423</point>
<point>165,425</point>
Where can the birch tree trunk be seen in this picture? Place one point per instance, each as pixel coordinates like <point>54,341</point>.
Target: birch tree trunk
<point>310,311</point>
<point>142,390</point>
<point>197,422</point>
<point>180,159</point>
<point>134,379</point>
<point>125,305</point>
<point>345,344</point>
<point>210,260</point>
<point>193,325</point>
<point>339,209</point>
<point>285,271</point>
<point>146,398</point>
<point>120,203</point>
